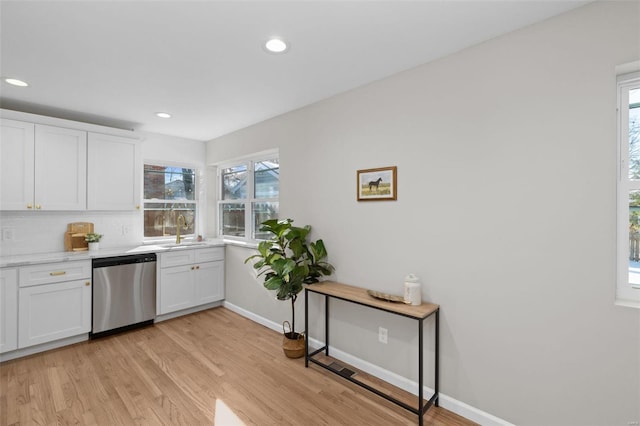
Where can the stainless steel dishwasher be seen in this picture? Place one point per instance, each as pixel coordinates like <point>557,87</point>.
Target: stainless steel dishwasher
<point>124,293</point>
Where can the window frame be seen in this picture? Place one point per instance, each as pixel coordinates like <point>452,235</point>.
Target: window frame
<point>250,228</point>
<point>196,200</point>
<point>627,294</point>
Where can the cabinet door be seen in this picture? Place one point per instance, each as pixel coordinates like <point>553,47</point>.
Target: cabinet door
<point>209,280</point>
<point>8,310</point>
<point>16,165</point>
<point>60,168</point>
<point>53,311</point>
<point>176,290</point>
<point>114,173</point>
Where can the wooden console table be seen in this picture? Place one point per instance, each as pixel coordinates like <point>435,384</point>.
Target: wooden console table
<point>358,295</point>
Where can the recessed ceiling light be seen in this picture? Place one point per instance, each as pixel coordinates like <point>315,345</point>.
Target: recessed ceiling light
<point>16,82</point>
<point>276,45</point>
<point>163,115</point>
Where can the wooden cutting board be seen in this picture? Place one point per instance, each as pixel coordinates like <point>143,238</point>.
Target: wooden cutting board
<point>74,237</point>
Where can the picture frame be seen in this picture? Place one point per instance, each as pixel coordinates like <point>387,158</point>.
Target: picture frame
<point>377,184</point>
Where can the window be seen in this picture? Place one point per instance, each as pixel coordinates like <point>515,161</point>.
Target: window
<point>169,192</point>
<point>249,195</point>
<point>628,288</point>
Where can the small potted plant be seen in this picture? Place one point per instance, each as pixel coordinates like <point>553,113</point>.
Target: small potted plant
<point>94,240</point>
<point>288,261</point>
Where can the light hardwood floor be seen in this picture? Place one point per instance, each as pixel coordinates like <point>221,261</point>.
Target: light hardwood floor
<point>209,368</point>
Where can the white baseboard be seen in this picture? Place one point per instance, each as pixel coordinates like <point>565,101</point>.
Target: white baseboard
<point>187,311</point>
<point>447,402</point>
<point>253,317</point>
<point>19,353</point>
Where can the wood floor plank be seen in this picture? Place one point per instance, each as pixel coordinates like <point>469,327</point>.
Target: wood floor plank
<point>209,368</point>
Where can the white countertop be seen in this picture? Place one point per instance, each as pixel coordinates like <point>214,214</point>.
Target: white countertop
<point>64,256</point>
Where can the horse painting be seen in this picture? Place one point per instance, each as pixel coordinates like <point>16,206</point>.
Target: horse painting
<point>375,183</point>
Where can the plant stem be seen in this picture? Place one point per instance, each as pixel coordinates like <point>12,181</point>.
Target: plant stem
<point>293,314</point>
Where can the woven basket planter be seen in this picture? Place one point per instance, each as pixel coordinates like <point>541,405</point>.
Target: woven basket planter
<point>292,342</point>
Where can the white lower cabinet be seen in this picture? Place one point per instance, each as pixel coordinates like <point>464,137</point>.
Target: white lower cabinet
<point>176,290</point>
<point>209,282</point>
<point>56,309</point>
<point>190,278</point>
<point>8,309</point>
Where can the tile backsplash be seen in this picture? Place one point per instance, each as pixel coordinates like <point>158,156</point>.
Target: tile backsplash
<point>43,232</point>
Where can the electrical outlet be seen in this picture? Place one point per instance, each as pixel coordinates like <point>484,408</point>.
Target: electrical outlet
<point>7,234</point>
<point>383,333</point>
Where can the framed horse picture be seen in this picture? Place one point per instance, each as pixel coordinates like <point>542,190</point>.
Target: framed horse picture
<point>377,184</point>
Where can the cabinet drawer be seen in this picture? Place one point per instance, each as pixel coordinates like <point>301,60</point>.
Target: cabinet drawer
<point>209,254</point>
<point>54,272</point>
<point>190,256</point>
<point>176,258</point>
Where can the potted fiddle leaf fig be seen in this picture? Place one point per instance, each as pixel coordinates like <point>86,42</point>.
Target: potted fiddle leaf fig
<point>287,261</point>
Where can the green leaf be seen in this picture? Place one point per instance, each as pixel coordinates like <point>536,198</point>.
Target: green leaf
<point>264,247</point>
<point>273,283</point>
<point>318,249</point>
<point>297,248</point>
<point>283,293</point>
<point>283,267</point>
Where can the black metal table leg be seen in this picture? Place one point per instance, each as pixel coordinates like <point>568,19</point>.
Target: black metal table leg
<point>420,374</point>
<point>437,359</point>
<point>306,328</point>
<point>326,325</point>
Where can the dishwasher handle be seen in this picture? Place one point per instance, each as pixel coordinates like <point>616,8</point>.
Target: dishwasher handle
<point>123,260</point>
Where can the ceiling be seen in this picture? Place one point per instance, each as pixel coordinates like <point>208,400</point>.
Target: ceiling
<point>117,63</point>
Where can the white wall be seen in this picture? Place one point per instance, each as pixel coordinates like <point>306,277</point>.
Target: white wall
<point>506,210</point>
<point>43,231</point>
<point>172,149</point>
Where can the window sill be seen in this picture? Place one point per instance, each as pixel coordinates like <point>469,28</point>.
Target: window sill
<point>161,241</point>
<point>246,244</point>
<point>627,303</point>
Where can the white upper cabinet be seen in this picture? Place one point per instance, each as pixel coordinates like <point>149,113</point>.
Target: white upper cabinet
<point>114,173</point>
<point>49,167</point>
<point>43,167</point>
<point>16,164</point>
<point>60,168</point>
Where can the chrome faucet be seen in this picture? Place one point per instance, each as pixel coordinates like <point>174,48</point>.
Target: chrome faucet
<point>184,223</point>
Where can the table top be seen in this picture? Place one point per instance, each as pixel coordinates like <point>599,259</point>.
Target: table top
<point>360,295</point>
